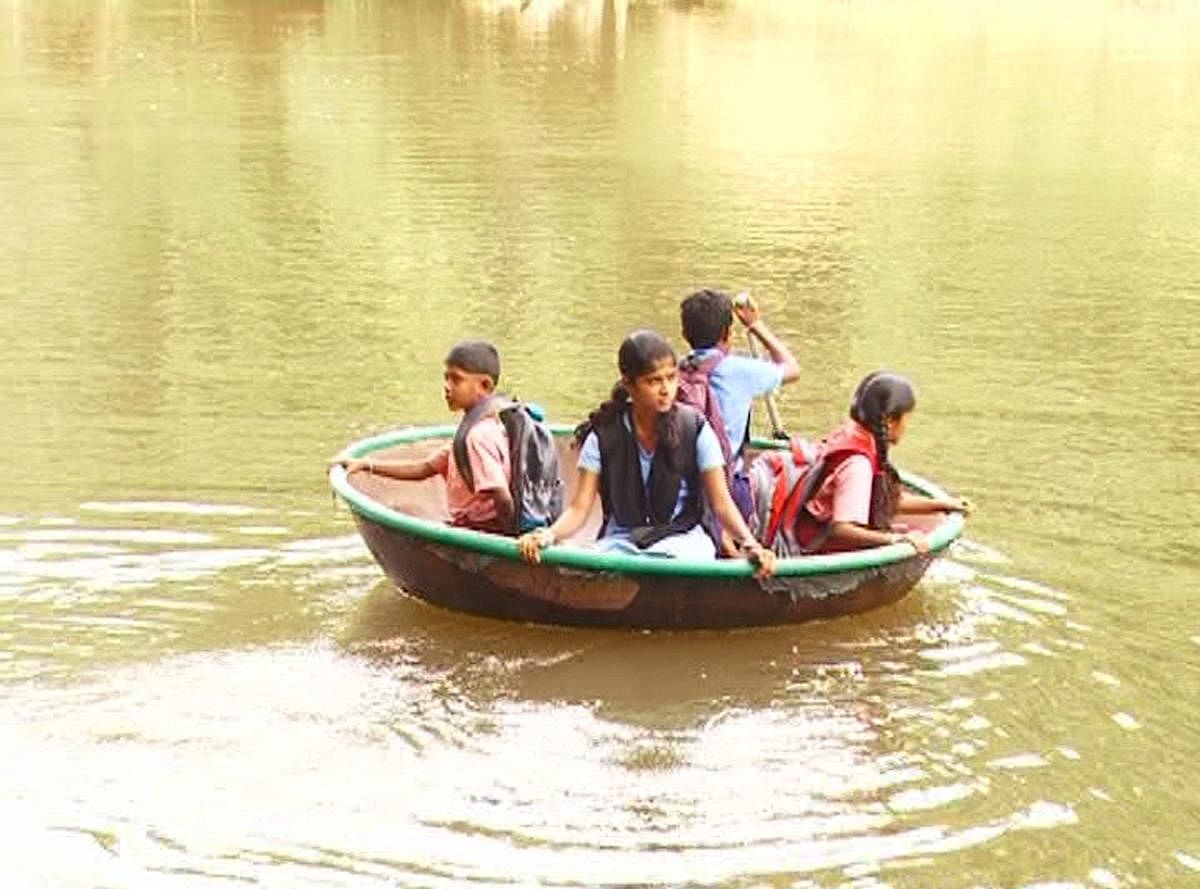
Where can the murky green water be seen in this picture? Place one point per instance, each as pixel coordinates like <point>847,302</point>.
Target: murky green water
<point>239,235</point>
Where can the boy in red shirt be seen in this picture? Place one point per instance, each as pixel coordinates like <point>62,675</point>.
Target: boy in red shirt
<point>476,465</point>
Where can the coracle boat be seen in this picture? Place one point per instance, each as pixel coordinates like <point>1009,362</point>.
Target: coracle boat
<point>404,526</point>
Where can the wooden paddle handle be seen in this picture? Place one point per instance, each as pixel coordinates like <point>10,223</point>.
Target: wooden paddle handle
<point>772,409</point>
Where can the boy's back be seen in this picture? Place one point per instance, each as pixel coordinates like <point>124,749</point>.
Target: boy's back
<point>736,380</point>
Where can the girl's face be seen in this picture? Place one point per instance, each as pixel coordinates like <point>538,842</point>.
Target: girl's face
<point>897,426</point>
<point>656,388</point>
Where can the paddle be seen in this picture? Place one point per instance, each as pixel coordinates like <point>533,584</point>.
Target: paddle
<point>777,430</point>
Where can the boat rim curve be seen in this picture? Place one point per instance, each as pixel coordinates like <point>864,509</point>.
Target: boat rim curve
<point>578,558</point>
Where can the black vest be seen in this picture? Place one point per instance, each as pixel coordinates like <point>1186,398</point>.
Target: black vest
<point>646,509</point>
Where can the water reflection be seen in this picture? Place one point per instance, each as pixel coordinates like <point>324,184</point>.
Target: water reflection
<point>162,577</point>
<point>798,751</point>
<point>838,724</point>
<point>877,745</point>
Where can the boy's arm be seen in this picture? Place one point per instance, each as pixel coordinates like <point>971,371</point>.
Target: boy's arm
<point>505,508</point>
<point>747,312</point>
<point>404,470</point>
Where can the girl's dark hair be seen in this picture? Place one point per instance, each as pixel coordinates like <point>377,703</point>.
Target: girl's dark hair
<point>880,396</point>
<point>638,355</point>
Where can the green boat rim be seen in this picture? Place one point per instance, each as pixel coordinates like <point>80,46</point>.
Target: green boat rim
<point>578,558</point>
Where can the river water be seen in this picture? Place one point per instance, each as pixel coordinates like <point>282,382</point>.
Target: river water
<point>239,235</point>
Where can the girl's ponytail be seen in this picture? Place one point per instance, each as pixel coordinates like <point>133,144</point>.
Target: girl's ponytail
<point>607,412</point>
<point>670,439</point>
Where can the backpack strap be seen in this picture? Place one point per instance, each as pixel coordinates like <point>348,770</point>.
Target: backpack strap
<point>691,424</point>
<point>789,498</point>
<point>510,415</point>
<point>806,485</point>
<point>700,372</point>
<point>706,365</point>
<point>482,410</point>
<point>785,502</point>
<point>779,496</point>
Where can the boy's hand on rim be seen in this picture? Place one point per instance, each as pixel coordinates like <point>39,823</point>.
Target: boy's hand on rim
<point>963,505</point>
<point>350,464</point>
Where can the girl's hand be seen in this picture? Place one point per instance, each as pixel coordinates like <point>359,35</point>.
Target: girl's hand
<point>531,544</point>
<point>760,556</point>
<point>918,540</point>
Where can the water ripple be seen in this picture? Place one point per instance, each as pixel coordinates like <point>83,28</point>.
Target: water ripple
<point>74,595</point>
<point>409,755</point>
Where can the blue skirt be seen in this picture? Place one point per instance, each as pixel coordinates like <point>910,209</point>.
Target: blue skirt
<point>693,544</point>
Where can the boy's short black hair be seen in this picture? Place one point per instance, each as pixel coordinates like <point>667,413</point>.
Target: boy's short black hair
<point>706,315</point>
<point>477,357</point>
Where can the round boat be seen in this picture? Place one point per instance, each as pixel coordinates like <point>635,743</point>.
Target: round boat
<point>404,525</point>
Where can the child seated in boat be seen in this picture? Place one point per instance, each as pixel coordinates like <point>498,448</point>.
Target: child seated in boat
<point>844,494</point>
<point>478,493</point>
<point>734,380</point>
<point>652,462</point>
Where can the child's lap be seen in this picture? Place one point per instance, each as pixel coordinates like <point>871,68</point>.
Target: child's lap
<point>693,544</point>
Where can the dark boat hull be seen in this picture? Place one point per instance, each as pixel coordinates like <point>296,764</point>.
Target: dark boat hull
<point>493,586</point>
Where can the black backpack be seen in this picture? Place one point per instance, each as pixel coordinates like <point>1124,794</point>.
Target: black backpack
<point>536,484</point>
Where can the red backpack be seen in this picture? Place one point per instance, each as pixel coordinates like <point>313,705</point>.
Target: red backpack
<point>783,481</point>
<point>695,389</point>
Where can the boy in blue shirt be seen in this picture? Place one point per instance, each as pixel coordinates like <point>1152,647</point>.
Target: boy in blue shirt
<point>735,380</point>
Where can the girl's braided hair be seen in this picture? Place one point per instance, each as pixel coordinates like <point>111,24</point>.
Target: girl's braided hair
<point>879,397</point>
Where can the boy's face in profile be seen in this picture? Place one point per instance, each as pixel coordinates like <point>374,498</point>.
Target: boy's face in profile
<point>464,389</point>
